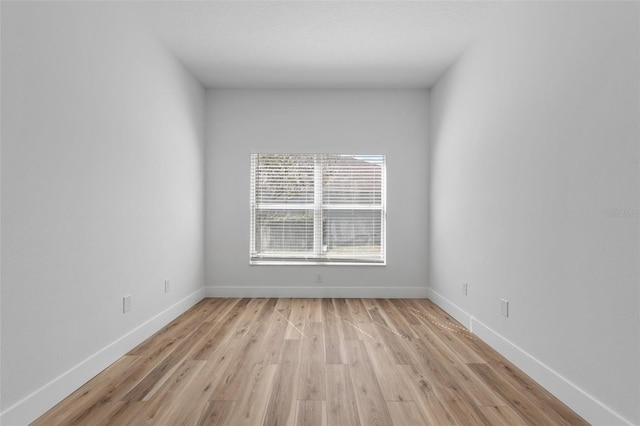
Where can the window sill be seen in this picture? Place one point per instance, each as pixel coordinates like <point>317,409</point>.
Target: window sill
<point>312,263</point>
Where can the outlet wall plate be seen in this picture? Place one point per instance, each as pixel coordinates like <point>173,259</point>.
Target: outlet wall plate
<point>126,304</point>
<point>504,307</point>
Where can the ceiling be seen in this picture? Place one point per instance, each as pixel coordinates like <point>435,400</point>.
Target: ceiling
<point>317,44</point>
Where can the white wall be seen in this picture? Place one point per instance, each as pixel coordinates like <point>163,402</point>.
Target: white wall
<point>535,136</point>
<point>387,122</point>
<point>102,194</point>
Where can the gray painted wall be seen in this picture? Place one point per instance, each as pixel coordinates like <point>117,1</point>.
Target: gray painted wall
<point>535,143</point>
<point>391,122</point>
<point>102,186</point>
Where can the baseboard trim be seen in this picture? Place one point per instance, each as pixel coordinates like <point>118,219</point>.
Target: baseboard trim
<point>319,291</point>
<point>37,403</point>
<point>451,308</point>
<point>587,406</point>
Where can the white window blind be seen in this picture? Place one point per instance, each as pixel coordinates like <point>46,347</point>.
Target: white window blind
<point>318,208</point>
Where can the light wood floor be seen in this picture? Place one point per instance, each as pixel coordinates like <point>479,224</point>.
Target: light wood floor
<point>312,362</point>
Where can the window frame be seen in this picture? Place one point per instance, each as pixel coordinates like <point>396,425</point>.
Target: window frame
<point>318,209</point>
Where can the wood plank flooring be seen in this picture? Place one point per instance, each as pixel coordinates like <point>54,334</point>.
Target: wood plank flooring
<point>335,362</point>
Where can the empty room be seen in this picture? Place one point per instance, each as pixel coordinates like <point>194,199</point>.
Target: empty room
<point>320,213</point>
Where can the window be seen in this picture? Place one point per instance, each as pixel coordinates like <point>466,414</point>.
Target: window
<point>318,208</point>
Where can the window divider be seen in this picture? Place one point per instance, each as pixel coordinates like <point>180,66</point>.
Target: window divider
<point>317,210</point>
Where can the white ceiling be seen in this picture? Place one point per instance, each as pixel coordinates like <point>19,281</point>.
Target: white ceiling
<point>317,44</point>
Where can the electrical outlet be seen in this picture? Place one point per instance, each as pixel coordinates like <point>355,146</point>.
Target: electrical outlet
<point>167,286</point>
<point>126,304</point>
<point>465,288</point>
<point>504,307</point>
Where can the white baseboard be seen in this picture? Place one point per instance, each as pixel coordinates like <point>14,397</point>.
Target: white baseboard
<point>319,291</point>
<point>592,410</point>
<point>452,309</point>
<point>37,403</point>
